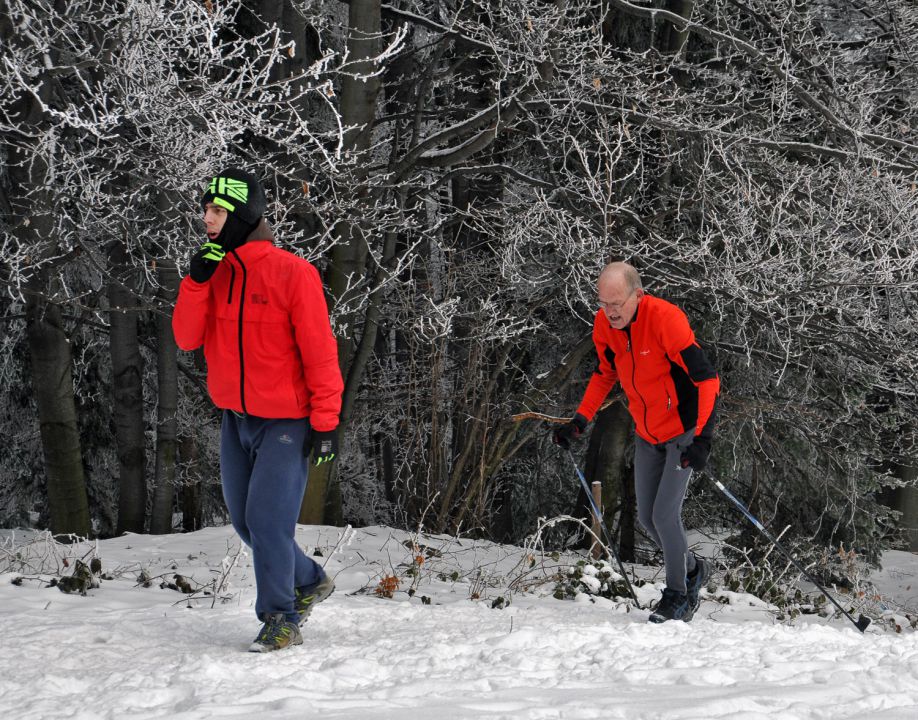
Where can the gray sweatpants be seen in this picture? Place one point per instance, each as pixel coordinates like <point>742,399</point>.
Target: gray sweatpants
<point>659,486</point>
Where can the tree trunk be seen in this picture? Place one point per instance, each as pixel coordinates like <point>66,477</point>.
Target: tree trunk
<point>672,39</point>
<point>358,109</point>
<point>605,460</point>
<point>348,263</point>
<point>52,384</point>
<point>627,516</point>
<point>32,218</point>
<point>192,505</point>
<point>127,390</point>
<point>313,509</point>
<point>167,382</point>
<point>905,500</point>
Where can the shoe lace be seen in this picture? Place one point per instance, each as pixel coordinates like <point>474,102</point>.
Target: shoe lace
<point>307,595</point>
<point>669,600</point>
<point>275,628</point>
<point>305,598</point>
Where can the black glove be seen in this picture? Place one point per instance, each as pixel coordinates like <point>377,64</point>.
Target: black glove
<point>322,445</point>
<point>569,431</point>
<point>696,454</point>
<point>204,262</point>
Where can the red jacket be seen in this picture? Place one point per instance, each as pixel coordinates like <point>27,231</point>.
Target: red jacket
<point>670,384</point>
<point>263,321</point>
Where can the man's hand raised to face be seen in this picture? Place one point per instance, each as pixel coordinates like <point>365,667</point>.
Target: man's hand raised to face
<point>204,262</point>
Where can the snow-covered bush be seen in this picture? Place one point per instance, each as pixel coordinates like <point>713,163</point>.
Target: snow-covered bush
<point>590,577</point>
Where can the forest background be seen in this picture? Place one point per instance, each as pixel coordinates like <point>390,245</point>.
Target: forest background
<point>459,171</point>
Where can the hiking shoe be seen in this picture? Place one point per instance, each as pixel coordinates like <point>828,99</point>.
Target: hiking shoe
<point>695,581</point>
<point>674,605</point>
<point>308,596</point>
<point>276,634</point>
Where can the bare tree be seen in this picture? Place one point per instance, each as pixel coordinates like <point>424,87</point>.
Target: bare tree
<point>127,396</point>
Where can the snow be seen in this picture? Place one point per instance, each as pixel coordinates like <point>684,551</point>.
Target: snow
<point>128,651</point>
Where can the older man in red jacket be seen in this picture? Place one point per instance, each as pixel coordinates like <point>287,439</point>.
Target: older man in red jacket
<point>272,365</point>
<point>646,344</point>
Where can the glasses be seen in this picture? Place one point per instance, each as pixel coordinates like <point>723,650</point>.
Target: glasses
<point>615,307</point>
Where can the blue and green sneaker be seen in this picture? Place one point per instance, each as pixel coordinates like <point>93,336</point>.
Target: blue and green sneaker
<point>308,596</point>
<point>276,634</point>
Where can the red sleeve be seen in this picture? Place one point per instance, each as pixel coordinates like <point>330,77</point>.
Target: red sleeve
<point>189,319</point>
<point>318,349</point>
<point>679,342</point>
<point>605,376</point>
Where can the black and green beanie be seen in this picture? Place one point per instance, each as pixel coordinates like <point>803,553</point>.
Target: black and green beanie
<point>239,192</point>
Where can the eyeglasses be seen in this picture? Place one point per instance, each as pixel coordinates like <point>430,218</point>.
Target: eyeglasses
<point>615,307</point>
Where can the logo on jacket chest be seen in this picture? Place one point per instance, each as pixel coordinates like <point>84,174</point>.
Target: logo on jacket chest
<point>258,299</point>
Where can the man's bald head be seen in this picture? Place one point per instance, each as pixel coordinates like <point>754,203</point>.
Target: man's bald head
<point>621,272</point>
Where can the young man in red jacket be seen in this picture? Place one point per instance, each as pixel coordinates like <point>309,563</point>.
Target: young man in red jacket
<point>272,365</point>
<point>647,345</point>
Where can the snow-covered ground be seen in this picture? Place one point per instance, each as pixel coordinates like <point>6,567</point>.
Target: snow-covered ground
<point>443,652</point>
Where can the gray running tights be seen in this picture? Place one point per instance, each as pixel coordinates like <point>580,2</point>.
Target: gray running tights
<point>659,486</point>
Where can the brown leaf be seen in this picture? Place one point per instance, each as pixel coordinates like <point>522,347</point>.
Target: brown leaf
<point>387,586</point>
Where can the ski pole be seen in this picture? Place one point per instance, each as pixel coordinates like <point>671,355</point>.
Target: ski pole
<point>598,515</point>
<point>861,623</point>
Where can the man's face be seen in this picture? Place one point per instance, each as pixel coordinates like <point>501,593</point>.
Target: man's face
<point>618,301</point>
<point>214,219</point>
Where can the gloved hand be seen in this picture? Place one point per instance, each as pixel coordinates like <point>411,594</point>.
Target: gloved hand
<point>569,431</point>
<point>695,455</point>
<point>322,445</point>
<point>204,262</point>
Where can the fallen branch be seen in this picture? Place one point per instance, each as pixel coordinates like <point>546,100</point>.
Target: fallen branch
<point>532,415</point>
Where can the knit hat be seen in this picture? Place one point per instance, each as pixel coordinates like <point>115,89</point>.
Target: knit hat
<point>239,192</point>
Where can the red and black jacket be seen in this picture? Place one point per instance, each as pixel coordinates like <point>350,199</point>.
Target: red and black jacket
<point>263,321</point>
<point>670,383</point>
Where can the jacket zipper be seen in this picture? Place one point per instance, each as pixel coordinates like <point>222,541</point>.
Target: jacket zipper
<point>229,296</point>
<point>634,384</point>
<point>241,348</point>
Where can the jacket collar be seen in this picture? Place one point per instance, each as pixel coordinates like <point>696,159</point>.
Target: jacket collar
<point>262,231</point>
<point>637,311</point>
<point>258,244</point>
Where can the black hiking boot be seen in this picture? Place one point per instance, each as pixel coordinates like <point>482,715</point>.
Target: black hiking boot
<point>276,634</point>
<point>695,582</point>
<point>674,605</point>
<point>307,597</point>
